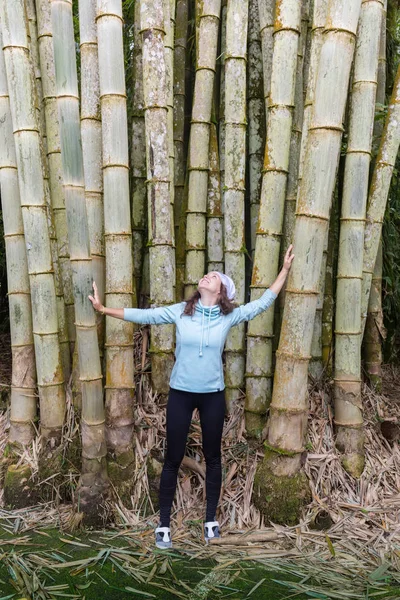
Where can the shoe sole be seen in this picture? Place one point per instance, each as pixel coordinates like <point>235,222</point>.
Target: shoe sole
<point>163,545</point>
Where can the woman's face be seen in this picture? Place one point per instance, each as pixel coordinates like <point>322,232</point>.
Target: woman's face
<point>210,282</point>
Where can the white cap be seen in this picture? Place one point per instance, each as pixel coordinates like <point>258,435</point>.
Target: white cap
<point>228,283</point>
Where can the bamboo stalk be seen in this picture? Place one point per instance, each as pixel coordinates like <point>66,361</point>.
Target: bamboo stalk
<point>182,13</point>
<point>34,52</point>
<point>294,158</point>
<point>289,406</point>
<point>234,188</point>
<point>256,117</point>
<point>45,40</point>
<point>35,217</point>
<point>139,220</point>
<point>161,250</point>
<point>169,24</point>
<point>94,480</point>
<point>270,224</point>
<point>23,381</point>
<point>378,193</point>
<point>199,144</point>
<point>91,148</point>
<point>215,234</point>
<point>118,234</point>
<point>375,330</point>
<point>221,111</point>
<point>329,299</point>
<point>266,10</point>
<point>347,376</point>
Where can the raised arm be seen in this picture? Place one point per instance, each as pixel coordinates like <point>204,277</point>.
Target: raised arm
<point>149,316</point>
<point>248,311</point>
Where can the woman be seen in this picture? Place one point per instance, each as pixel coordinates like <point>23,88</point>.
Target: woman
<point>202,325</point>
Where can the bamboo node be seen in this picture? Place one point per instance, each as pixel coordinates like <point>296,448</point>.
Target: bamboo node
<point>311,216</point>
<point>292,290</point>
<point>295,357</point>
<point>89,379</point>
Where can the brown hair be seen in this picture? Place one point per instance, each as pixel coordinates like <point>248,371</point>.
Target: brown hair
<point>226,305</point>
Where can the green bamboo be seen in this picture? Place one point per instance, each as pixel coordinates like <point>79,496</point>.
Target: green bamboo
<point>139,221</point>
<point>270,224</point>
<point>215,234</point>
<point>182,14</point>
<point>289,407</point>
<point>118,234</point>
<point>35,216</point>
<point>65,298</point>
<point>199,144</point>
<point>347,376</point>
<point>375,330</point>
<point>161,249</point>
<point>234,188</point>
<point>91,147</point>
<point>23,379</point>
<point>374,324</point>
<point>378,192</point>
<point>256,118</point>
<point>93,483</point>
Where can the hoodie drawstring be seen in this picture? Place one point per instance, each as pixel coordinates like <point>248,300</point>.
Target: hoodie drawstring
<point>208,328</point>
<point>202,328</point>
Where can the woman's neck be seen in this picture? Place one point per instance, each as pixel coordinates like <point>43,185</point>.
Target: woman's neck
<point>208,299</point>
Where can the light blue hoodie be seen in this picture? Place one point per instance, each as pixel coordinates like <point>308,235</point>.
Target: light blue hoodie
<point>200,339</point>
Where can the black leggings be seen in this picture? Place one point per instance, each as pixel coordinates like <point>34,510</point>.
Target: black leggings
<point>179,415</point>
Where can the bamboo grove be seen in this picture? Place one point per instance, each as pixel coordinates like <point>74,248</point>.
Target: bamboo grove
<point>207,135</point>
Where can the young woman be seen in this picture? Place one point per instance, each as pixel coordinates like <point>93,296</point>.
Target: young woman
<point>202,325</point>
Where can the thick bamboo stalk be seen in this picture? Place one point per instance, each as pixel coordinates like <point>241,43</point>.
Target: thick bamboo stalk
<point>347,376</point>
<point>139,220</point>
<point>41,118</point>
<point>294,157</point>
<point>161,249</point>
<point>91,147</point>
<point>199,144</point>
<point>182,14</point>
<point>266,10</point>
<point>375,330</point>
<point>94,479</point>
<point>270,224</point>
<point>23,381</point>
<point>34,213</point>
<point>256,117</point>
<point>378,192</point>
<point>234,188</point>
<point>118,233</point>
<point>43,8</point>
<point>288,411</point>
<point>215,233</point>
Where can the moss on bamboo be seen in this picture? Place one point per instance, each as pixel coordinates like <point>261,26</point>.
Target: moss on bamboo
<point>19,489</point>
<point>280,498</point>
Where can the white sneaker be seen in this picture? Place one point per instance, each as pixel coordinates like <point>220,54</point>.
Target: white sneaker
<point>163,537</point>
<point>211,530</point>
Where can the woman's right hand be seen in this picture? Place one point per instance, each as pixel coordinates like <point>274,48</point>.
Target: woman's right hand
<point>96,300</point>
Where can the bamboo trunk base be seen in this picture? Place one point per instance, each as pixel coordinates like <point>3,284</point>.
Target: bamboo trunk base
<point>373,353</point>
<point>19,491</point>
<point>255,424</point>
<point>76,383</point>
<point>93,493</point>
<point>281,489</point>
<point>350,442</point>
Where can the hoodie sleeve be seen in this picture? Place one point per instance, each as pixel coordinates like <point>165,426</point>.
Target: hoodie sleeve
<point>248,311</point>
<point>154,316</point>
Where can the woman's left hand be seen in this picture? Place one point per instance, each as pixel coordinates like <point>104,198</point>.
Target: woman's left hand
<point>287,261</point>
